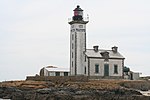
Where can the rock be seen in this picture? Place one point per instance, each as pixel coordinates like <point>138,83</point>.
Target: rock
<point>72,94</point>
<point>99,90</point>
<point>44,91</point>
<point>140,85</point>
<point>9,92</point>
<point>18,96</point>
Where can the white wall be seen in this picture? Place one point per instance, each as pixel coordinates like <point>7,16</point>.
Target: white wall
<point>111,63</point>
<point>45,72</point>
<point>53,73</point>
<point>92,67</point>
<point>135,76</point>
<point>79,45</point>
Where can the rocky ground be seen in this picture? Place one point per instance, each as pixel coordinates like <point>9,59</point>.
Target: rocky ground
<point>92,90</point>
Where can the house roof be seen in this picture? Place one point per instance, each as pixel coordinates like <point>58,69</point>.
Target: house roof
<point>91,53</point>
<point>56,69</point>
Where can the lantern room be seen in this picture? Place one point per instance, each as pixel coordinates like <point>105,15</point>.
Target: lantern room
<point>78,14</point>
<point>78,11</point>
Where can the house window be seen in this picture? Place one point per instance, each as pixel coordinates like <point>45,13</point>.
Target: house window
<point>65,73</point>
<point>96,68</point>
<point>57,73</point>
<point>115,69</point>
<point>85,70</point>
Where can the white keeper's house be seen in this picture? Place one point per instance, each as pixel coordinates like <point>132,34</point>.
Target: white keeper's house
<point>94,62</point>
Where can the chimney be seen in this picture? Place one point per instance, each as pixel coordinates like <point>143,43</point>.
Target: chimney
<point>95,48</point>
<point>115,49</point>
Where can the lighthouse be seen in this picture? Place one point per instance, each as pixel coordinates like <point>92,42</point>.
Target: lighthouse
<point>77,43</point>
<point>96,63</point>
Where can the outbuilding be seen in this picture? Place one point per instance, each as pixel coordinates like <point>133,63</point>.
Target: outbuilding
<point>54,71</point>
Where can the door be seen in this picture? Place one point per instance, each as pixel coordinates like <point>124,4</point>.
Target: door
<point>106,69</point>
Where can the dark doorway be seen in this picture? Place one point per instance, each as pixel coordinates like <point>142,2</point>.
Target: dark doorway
<point>106,69</point>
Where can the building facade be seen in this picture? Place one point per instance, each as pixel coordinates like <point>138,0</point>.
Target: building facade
<point>91,62</point>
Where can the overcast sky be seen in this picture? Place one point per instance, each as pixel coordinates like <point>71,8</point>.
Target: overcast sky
<point>35,33</point>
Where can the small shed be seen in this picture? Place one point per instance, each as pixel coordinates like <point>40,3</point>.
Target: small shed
<point>135,75</point>
<point>54,71</point>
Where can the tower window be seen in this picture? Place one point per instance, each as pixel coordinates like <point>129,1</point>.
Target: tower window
<point>72,54</point>
<point>80,26</point>
<point>72,36</point>
<point>72,45</point>
<point>72,63</point>
<point>96,68</point>
<point>72,26</point>
<point>115,69</point>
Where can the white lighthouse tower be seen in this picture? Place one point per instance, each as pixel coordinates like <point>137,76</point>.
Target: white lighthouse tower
<point>77,43</point>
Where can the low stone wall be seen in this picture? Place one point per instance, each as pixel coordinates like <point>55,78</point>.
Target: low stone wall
<point>105,77</point>
<point>61,79</point>
<point>58,79</point>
